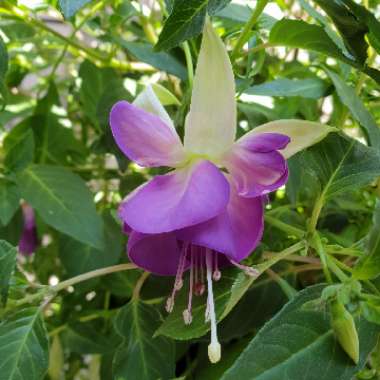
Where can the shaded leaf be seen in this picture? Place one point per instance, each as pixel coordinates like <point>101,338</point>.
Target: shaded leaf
<point>367,18</point>
<point>3,60</point>
<point>298,343</point>
<point>141,356</point>
<point>352,31</point>
<point>19,148</point>
<point>23,346</point>
<point>9,200</point>
<point>160,60</point>
<point>369,266</point>
<point>87,338</point>
<point>326,25</point>
<point>8,255</point>
<point>63,201</point>
<point>78,258</point>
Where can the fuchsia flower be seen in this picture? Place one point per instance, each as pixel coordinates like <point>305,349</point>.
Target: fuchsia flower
<point>208,211</point>
<point>29,239</point>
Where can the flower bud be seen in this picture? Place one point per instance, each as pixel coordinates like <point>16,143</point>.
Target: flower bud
<point>344,328</point>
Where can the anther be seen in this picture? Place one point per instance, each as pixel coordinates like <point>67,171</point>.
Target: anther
<point>187,317</point>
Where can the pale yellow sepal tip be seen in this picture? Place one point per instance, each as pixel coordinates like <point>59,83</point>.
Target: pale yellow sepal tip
<point>214,352</point>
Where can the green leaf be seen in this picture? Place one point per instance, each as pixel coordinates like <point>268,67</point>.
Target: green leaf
<point>8,255</point>
<point>371,311</point>
<point>242,13</point>
<point>70,7</point>
<point>369,266</point>
<point>185,21</point>
<point>313,88</point>
<point>112,93</point>
<point>23,346</point>
<point>341,164</point>
<point>141,356</point>
<point>299,34</point>
<point>160,60</point>
<point>55,144</point>
<point>9,200</point>
<point>94,83</point>
<point>62,200</point>
<point>227,293</point>
<point>78,258</point>
<point>349,98</point>
<point>298,343</point>
<point>352,31</point>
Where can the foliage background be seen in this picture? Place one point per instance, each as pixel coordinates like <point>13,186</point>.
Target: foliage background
<point>62,66</point>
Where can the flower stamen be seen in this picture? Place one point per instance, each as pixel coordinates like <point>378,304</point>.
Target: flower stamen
<point>178,282</point>
<point>216,274</point>
<point>187,316</point>
<point>199,287</point>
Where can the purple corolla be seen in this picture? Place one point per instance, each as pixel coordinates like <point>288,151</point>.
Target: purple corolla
<point>208,211</point>
<point>29,239</point>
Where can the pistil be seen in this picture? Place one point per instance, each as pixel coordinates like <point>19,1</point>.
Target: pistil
<point>214,348</point>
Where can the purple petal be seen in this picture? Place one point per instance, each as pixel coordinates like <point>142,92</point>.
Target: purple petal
<point>235,232</point>
<point>256,165</point>
<point>180,199</point>
<point>29,240</point>
<point>265,142</point>
<point>157,253</point>
<point>144,137</point>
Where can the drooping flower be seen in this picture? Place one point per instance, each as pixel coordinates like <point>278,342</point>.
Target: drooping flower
<point>208,211</point>
<point>29,240</point>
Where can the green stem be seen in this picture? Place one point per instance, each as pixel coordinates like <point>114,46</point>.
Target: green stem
<point>318,205</point>
<point>139,284</point>
<point>335,269</point>
<point>257,48</point>
<point>95,273</point>
<point>189,63</point>
<point>291,230</point>
<point>318,246</point>
<point>248,26</point>
<point>51,291</point>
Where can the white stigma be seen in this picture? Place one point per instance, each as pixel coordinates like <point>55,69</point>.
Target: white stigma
<point>214,349</point>
<point>214,352</point>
